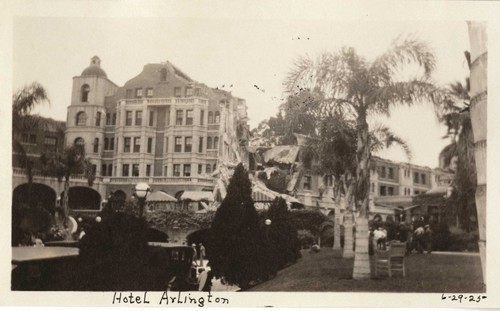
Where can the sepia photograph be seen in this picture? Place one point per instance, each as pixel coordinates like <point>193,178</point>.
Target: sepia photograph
<point>177,160</point>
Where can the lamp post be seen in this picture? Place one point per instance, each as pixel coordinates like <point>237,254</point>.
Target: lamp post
<point>268,224</point>
<point>141,191</point>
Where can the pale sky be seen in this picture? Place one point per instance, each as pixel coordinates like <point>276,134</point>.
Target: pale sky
<point>225,51</point>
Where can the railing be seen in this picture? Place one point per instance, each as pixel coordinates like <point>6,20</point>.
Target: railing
<point>163,101</point>
<point>152,180</point>
<point>37,173</point>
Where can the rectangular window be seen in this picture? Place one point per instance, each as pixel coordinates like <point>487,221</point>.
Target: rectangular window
<point>149,92</point>
<point>108,118</point>
<point>391,173</point>
<point>422,179</point>
<point>390,190</point>
<point>138,93</point>
<point>189,91</point>
<point>125,169</point>
<point>178,144</point>
<point>112,143</point>
<point>135,170</point>
<point>137,144</point>
<point>417,192</point>
<point>383,191</point>
<point>188,144</point>
<point>151,118</point>
<point>33,139</point>
<point>128,118</point>
<point>177,170</point>
<point>126,144</point>
<point>167,117</point>
<point>189,117</point>
<point>150,144</point>
<point>51,143</point>
<point>187,170</point>
<point>103,169</point>
<point>177,92</point>
<point>382,172</point>
<point>178,117</point>
<point>202,117</point>
<point>416,178</point>
<point>114,119</point>
<point>98,119</point>
<point>200,167</point>
<point>200,145</point>
<point>197,91</point>
<point>307,182</point>
<point>148,170</point>
<point>116,145</point>
<point>129,93</point>
<point>138,118</point>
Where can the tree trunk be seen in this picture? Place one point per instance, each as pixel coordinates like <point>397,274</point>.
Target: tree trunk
<point>348,236</point>
<point>478,111</point>
<point>65,200</point>
<point>361,268</point>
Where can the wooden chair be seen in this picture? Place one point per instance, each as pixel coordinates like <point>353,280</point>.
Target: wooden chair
<point>392,259</point>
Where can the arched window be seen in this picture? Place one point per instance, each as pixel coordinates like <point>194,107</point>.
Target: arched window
<point>209,169</point>
<point>85,93</point>
<point>79,141</point>
<point>106,143</point>
<point>217,117</point>
<point>209,143</point>
<point>214,167</point>
<point>81,118</point>
<point>98,119</point>
<point>96,145</point>
<point>210,117</point>
<point>216,142</point>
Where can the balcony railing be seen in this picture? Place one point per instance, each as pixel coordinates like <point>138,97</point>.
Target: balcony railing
<point>160,180</point>
<point>166,101</point>
<point>37,173</point>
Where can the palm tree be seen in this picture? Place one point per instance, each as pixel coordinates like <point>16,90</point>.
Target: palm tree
<point>455,114</point>
<point>71,162</point>
<point>23,102</point>
<point>358,89</point>
<point>479,103</point>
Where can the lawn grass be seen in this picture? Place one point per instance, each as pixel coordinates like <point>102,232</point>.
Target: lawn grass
<point>425,273</point>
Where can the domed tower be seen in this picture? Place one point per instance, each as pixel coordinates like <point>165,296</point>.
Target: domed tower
<point>85,122</point>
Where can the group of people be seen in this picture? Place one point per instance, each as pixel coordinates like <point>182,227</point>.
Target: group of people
<point>199,253</point>
<point>417,237</point>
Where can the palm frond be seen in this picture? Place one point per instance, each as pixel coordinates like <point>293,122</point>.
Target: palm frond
<point>26,98</point>
<point>404,51</point>
<point>383,137</point>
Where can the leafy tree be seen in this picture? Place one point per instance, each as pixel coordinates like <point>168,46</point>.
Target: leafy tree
<point>23,102</point>
<point>69,163</point>
<point>357,88</point>
<point>282,234</point>
<point>238,251</point>
<point>454,113</point>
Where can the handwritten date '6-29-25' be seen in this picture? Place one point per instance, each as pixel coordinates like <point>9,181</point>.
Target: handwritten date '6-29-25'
<point>463,298</point>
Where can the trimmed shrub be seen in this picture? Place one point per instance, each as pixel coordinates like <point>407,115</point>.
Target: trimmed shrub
<point>238,250</point>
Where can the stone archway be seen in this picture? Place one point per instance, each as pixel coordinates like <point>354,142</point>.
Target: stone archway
<point>45,196</point>
<point>83,198</point>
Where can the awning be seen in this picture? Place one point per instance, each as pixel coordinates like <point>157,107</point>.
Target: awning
<point>198,196</point>
<point>260,196</point>
<point>160,196</point>
<point>282,154</point>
